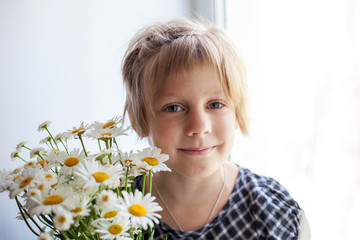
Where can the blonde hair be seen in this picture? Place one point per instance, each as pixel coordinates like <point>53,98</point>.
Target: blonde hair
<point>161,49</point>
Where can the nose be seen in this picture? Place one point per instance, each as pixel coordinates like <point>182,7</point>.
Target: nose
<point>198,123</point>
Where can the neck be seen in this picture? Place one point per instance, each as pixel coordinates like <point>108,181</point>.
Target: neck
<point>184,188</point>
<point>191,202</point>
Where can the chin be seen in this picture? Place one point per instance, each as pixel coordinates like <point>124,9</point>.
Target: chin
<point>199,171</point>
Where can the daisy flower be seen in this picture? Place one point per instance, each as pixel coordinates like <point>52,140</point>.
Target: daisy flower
<point>141,210</point>
<point>5,180</point>
<point>45,140</point>
<point>48,178</point>
<point>103,155</point>
<point>109,129</point>
<point>51,201</point>
<point>26,180</point>
<point>112,123</point>
<point>132,163</point>
<point>115,229</point>
<point>127,159</point>
<point>44,125</point>
<point>81,186</point>
<point>70,161</point>
<point>62,136</point>
<point>20,145</point>
<point>76,131</point>
<point>78,205</point>
<point>37,152</point>
<point>96,174</point>
<point>14,155</point>
<point>45,236</point>
<point>105,133</point>
<point>45,164</point>
<point>106,198</point>
<point>63,220</point>
<point>153,159</point>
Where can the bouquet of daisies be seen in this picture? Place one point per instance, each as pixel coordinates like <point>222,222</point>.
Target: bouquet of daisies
<point>70,193</point>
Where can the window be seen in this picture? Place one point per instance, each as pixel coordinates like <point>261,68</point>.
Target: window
<point>304,80</point>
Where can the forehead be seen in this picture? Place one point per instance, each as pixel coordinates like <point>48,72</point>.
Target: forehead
<point>199,80</point>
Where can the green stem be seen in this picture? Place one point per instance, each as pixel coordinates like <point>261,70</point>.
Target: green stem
<point>150,181</point>
<point>64,235</point>
<point>143,184</point>
<point>72,232</point>
<point>64,146</point>
<point>109,156</point>
<point>46,220</point>
<point>23,216</point>
<point>86,238</point>
<point>116,145</point>
<point>107,147</point>
<point>82,144</point>
<point>32,219</point>
<point>50,226</point>
<point>85,226</point>
<point>51,145</point>
<point>99,144</point>
<point>22,159</point>
<point>118,191</point>
<point>26,147</point>
<point>40,156</point>
<point>126,179</point>
<point>52,137</point>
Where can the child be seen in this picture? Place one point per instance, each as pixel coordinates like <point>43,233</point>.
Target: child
<point>186,93</point>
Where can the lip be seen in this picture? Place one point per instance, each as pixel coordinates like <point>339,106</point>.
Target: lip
<point>197,151</point>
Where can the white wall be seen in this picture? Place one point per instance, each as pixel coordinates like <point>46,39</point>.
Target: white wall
<point>60,61</point>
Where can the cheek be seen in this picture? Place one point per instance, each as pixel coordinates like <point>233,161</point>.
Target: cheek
<point>164,133</point>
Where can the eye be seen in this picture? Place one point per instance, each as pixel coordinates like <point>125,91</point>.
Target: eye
<point>173,108</point>
<point>215,105</point>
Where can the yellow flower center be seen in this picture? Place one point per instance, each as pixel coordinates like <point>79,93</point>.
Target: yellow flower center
<point>151,161</point>
<point>77,130</point>
<point>48,176</point>
<point>53,199</point>
<point>25,182</point>
<point>143,169</point>
<point>115,229</point>
<point>30,164</point>
<point>62,219</point>
<point>76,210</point>
<point>105,198</point>
<point>106,134</point>
<point>129,162</point>
<point>109,124</point>
<point>100,176</point>
<point>110,214</point>
<point>42,163</point>
<point>71,161</point>
<point>41,187</point>
<point>17,177</point>
<point>137,210</point>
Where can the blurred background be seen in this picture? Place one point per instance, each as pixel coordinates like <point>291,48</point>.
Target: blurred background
<point>61,61</point>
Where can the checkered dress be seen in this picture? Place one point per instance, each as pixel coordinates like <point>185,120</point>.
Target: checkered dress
<point>258,208</point>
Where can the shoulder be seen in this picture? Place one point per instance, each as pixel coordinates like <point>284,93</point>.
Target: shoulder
<point>271,207</point>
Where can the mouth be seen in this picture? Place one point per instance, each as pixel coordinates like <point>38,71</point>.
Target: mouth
<point>197,151</point>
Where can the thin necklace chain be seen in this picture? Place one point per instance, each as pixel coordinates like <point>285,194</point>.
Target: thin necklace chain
<point>211,213</point>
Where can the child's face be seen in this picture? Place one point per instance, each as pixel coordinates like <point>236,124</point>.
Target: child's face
<point>194,122</point>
